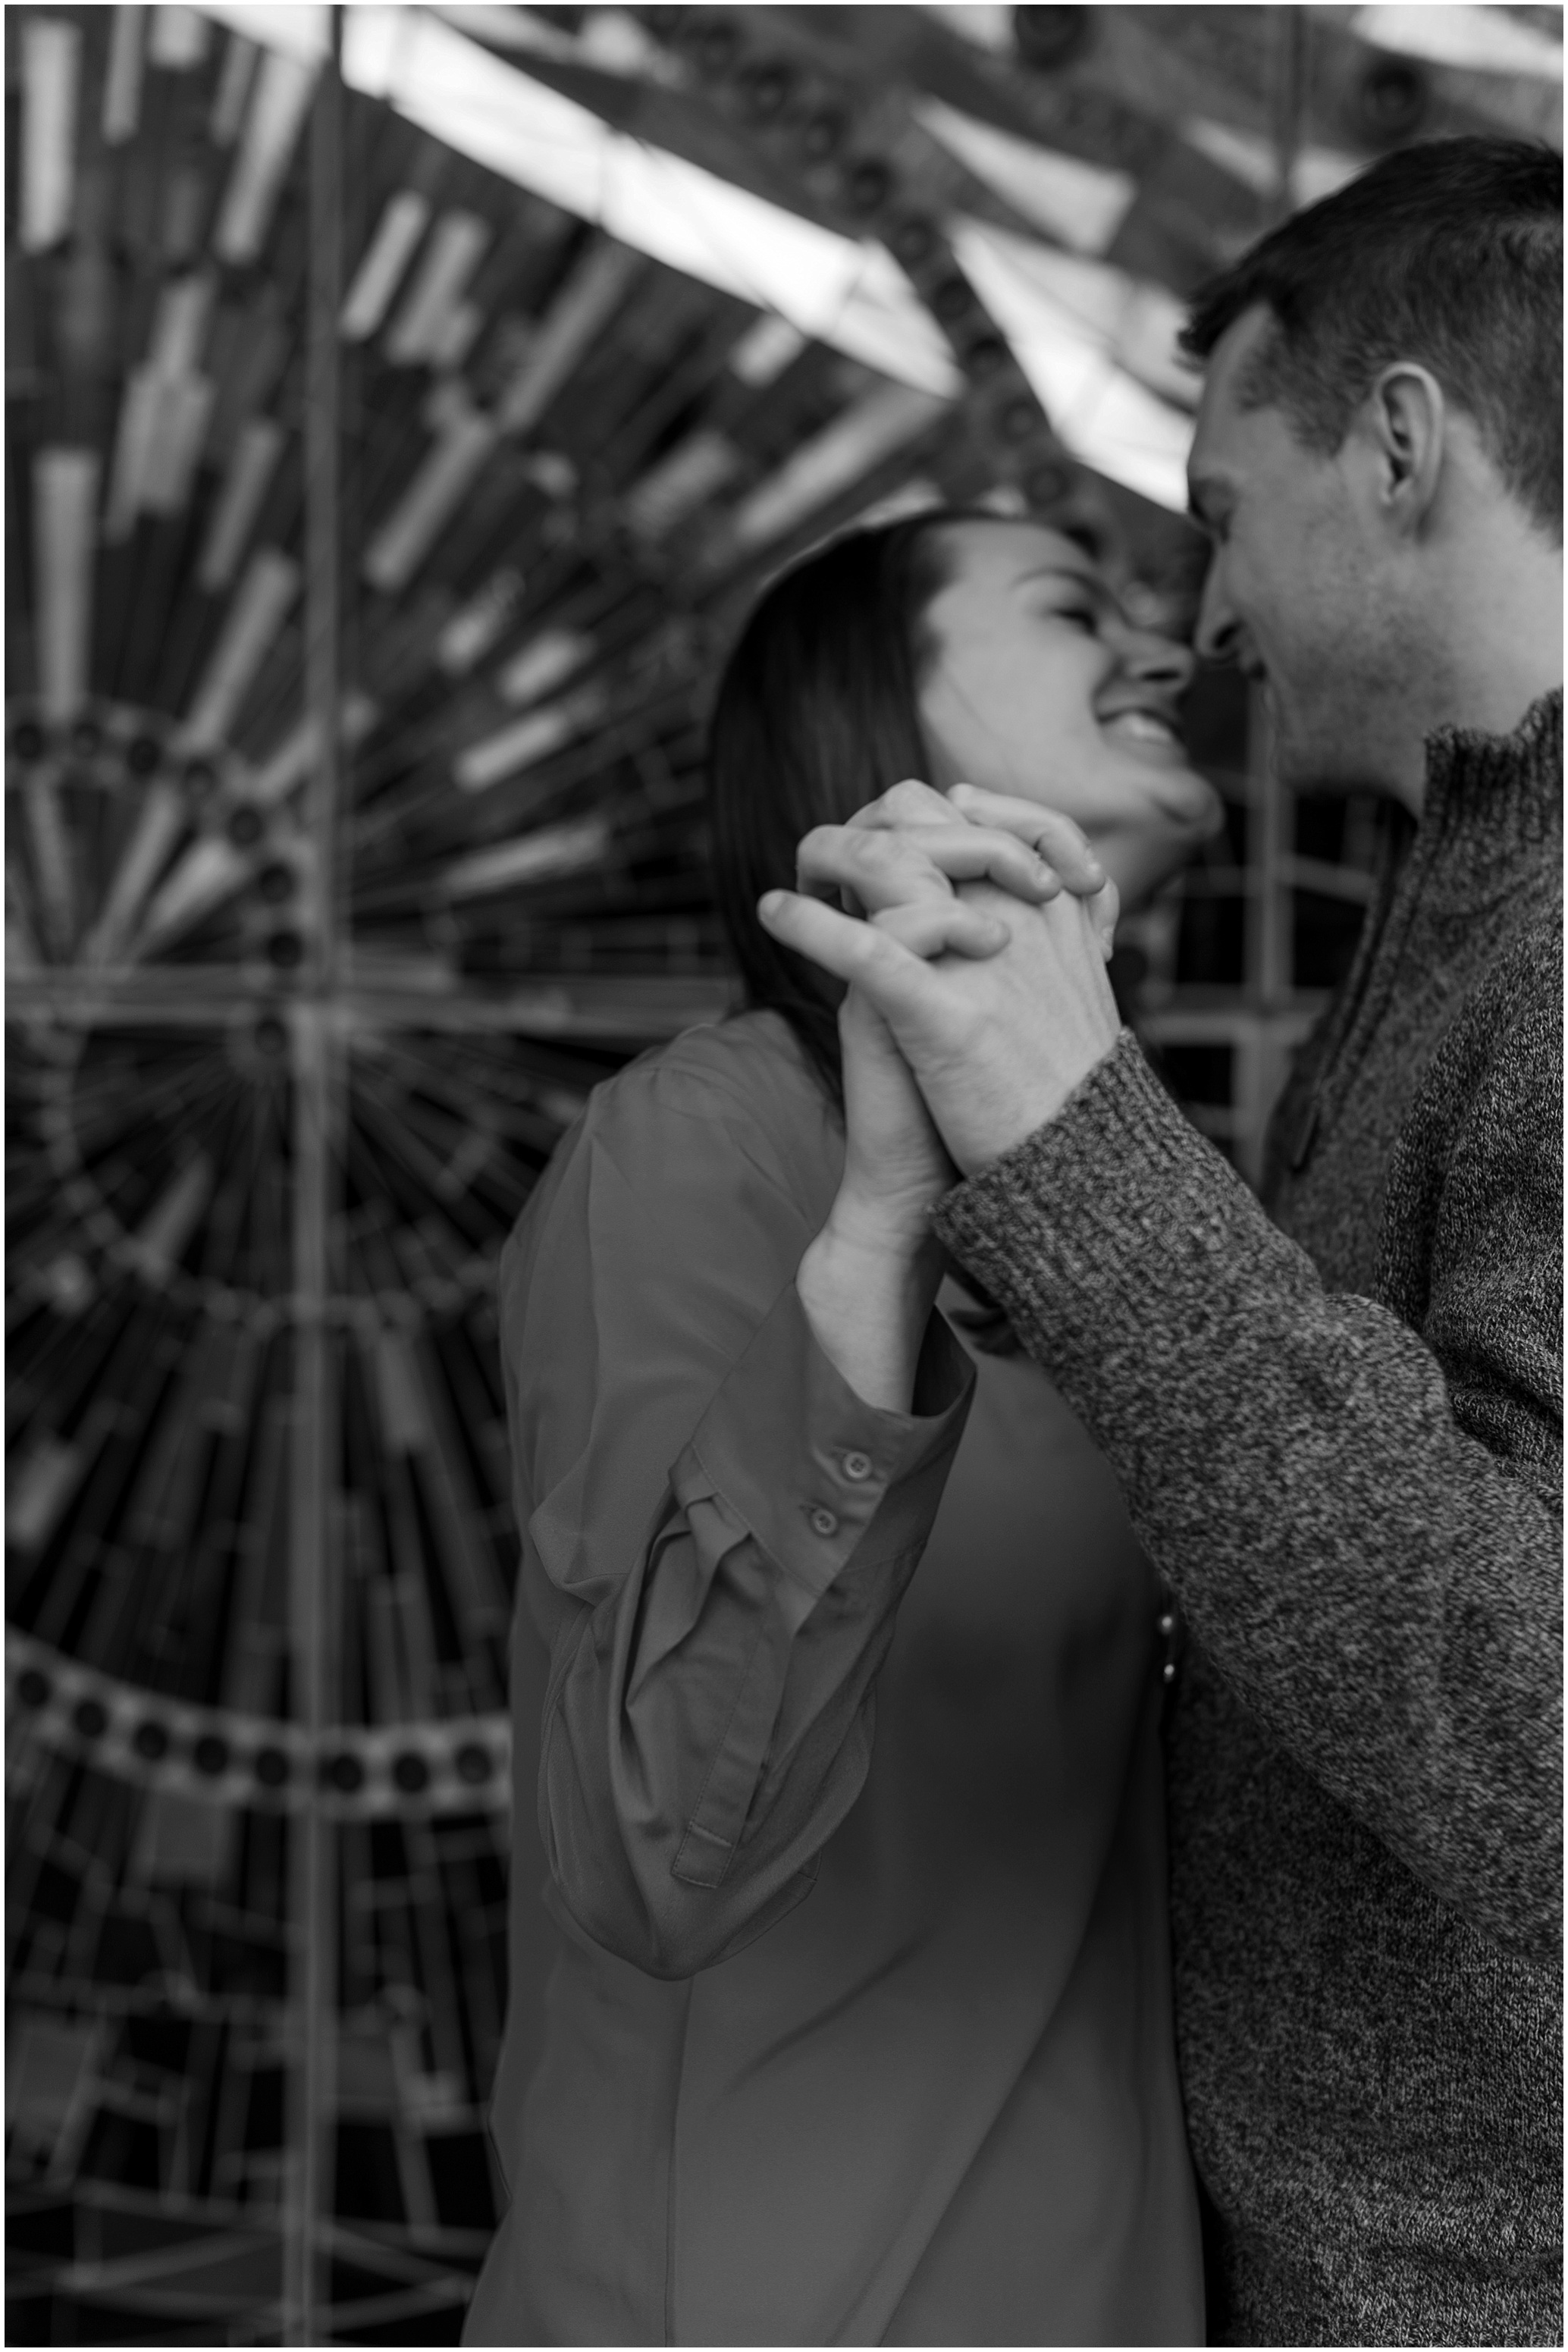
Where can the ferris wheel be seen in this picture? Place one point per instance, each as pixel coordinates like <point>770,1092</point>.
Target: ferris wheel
<point>386,475</point>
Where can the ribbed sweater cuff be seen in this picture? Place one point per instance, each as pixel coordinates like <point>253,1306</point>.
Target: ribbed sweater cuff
<point>1115,1204</point>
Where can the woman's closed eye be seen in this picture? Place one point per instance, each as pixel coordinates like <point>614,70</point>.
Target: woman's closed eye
<point>1079,613</point>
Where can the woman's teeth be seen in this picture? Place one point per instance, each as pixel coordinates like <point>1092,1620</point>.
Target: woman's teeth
<point>1142,726</point>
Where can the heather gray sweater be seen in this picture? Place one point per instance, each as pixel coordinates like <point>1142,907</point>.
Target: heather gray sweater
<point>1340,1434</point>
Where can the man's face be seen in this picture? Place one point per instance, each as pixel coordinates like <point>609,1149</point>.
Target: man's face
<point>1292,589</point>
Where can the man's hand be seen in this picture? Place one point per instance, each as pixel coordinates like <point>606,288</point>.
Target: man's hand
<point>915,844</point>
<point>997,1039</point>
<point>1057,842</point>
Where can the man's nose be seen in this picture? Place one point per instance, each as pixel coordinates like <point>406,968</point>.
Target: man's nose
<point>1219,633</point>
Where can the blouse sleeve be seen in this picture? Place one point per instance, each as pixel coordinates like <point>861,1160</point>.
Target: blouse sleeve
<point>716,1529</point>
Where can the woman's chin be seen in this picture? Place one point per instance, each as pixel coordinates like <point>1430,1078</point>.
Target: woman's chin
<point>1141,859</point>
<point>1157,778</point>
<point>1185,798</point>
<point>1210,818</point>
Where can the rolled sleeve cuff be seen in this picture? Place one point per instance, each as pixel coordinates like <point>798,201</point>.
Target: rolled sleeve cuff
<point>812,1470</point>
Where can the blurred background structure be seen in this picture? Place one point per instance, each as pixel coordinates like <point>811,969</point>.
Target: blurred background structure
<point>402,404</point>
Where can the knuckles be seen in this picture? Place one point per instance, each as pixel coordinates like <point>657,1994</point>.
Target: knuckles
<point>818,842</point>
<point>880,954</point>
<point>912,799</point>
<point>837,847</point>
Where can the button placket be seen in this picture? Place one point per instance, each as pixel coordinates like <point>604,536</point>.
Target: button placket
<point>1168,1626</point>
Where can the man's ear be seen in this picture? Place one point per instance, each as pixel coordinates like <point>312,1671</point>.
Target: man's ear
<point>1406,418</point>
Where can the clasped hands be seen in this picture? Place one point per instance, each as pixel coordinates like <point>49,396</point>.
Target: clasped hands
<point>977,1001</point>
<point>986,925</point>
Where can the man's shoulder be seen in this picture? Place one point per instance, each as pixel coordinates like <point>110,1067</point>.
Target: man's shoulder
<point>1509,1030</point>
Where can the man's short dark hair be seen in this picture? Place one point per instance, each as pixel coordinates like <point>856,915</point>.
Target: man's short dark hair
<point>1449,252</point>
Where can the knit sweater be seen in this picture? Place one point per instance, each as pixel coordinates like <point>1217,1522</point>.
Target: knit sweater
<point>1340,1435</point>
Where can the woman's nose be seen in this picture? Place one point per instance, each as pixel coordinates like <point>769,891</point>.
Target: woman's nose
<point>1160,660</point>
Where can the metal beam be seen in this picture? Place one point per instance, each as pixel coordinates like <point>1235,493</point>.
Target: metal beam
<point>318,1109</point>
<point>636,1008</point>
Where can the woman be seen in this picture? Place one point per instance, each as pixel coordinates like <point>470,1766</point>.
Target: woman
<point>857,2027</point>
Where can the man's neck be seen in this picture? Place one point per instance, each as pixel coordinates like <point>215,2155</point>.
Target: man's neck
<point>1501,652</point>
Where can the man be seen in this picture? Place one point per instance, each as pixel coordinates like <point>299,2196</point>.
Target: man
<point>1340,1432</point>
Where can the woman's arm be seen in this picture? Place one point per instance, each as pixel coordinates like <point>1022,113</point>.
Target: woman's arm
<point>870,1279</point>
<point>717,1525</point>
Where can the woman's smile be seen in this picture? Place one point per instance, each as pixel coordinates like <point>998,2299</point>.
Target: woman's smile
<point>1151,733</point>
<point>1037,684</point>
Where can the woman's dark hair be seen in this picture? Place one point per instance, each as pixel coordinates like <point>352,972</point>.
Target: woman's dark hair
<point>817,714</point>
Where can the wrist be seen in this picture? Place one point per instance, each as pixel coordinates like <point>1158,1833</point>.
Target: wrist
<point>874,1232</point>
<point>997,1119</point>
<point>846,1260</point>
<point>868,1295</point>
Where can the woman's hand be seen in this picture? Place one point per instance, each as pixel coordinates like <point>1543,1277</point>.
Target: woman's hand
<point>1059,845</point>
<point>896,1166</point>
<point>997,1044</point>
<point>870,1279</point>
<point>1046,831</point>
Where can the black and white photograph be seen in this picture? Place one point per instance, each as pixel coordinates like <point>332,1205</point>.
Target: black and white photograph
<point>784,1009</point>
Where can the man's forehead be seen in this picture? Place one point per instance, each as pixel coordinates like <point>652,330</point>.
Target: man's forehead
<point>1220,411</point>
<point>1237,349</point>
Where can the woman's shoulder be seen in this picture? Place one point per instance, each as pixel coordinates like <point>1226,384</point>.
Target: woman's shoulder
<point>748,1070</point>
<point>721,1132</point>
<point>689,1117</point>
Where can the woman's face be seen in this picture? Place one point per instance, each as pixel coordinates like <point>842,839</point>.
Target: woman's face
<point>1036,684</point>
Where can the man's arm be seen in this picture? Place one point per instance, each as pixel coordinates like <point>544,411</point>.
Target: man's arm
<point>1361,1510</point>
<point>1362,1520</point>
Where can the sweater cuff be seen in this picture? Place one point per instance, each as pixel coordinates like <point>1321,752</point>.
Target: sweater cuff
<point>1092,1214</point>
